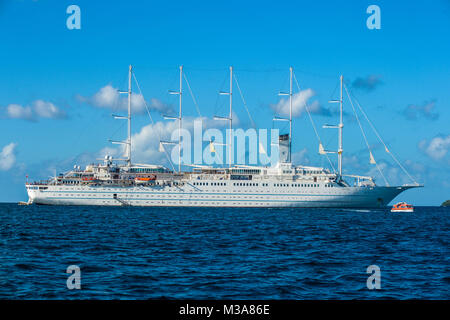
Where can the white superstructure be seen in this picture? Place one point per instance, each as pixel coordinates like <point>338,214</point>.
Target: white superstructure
<point>283,185</point>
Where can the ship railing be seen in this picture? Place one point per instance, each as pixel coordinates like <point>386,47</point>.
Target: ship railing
<point>40,182</point>
<point>360,181</point>
<point>358,177</point>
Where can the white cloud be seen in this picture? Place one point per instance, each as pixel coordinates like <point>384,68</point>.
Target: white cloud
<point>44,109</point>
<point>145,143</point>
<point>158,105</point>
<point>110,151</point>
<point>38,109</point>
<point>437,148</point>
<point>299,101</point>
<point>106,97</point>
<point>7,156</point>
<point>16,111</point>
<point>301,157</point>
<point>109,97</point>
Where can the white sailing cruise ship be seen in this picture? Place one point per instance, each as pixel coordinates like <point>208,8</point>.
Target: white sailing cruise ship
<point>119,182</point>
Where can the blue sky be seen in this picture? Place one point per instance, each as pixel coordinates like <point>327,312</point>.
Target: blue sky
<point>51,118</point>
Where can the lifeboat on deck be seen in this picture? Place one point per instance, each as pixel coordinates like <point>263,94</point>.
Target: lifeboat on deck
<point>402,207</point>
<point>144,179</point>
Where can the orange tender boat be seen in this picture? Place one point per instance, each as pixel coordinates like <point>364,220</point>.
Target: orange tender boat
<point>145,179</point>
<point>402,207</point>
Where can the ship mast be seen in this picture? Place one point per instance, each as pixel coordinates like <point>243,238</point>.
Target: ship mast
<point>341,127</point>
<point>127,142</point>
<point>129,118</point>
<point>180,115</point>
<point>290,115</point>
<point>229,118</point>
<point>291,71</point>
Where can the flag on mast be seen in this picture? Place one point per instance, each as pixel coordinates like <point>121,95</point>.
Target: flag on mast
<point>321,149</point>
<point>161,147</point>
<point>211,147</point>
<point>372,159</point>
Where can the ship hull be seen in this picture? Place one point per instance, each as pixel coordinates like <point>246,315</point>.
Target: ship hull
<point>190,196</point>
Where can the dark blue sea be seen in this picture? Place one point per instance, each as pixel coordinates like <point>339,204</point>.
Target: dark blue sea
<point>192,253</point>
